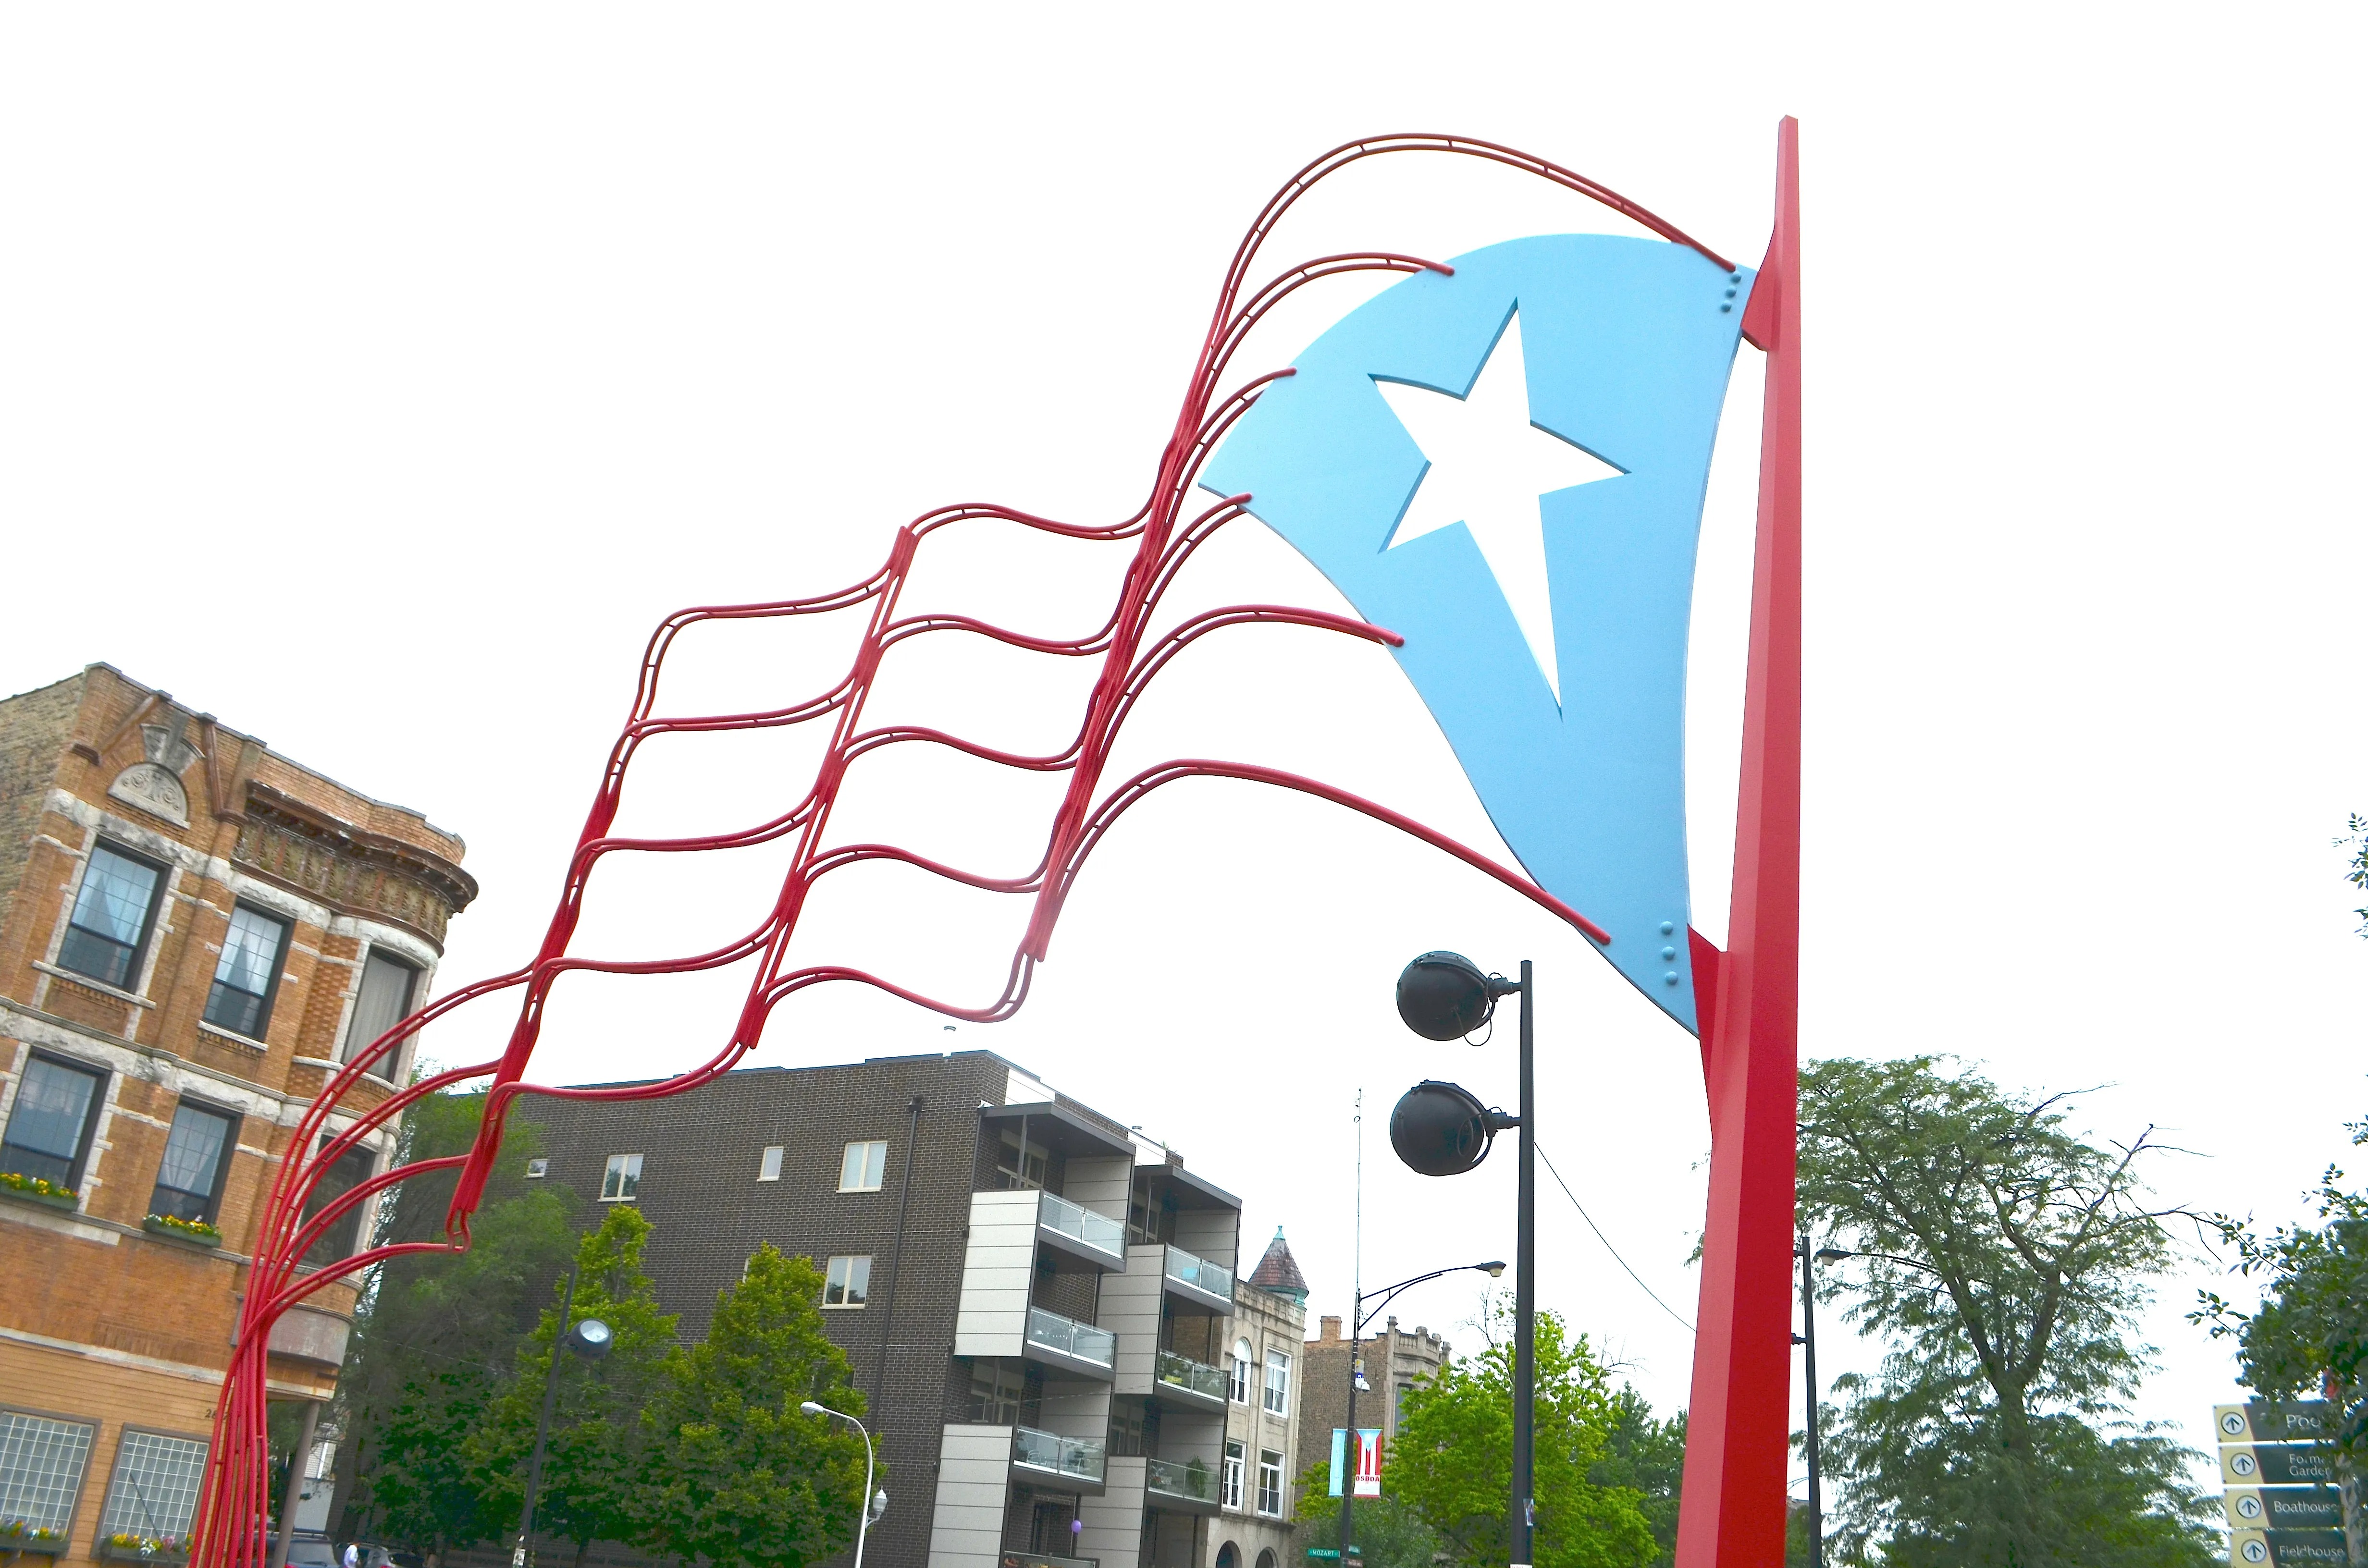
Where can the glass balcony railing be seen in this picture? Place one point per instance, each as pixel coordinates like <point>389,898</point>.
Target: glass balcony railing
<point>1008,1558</point>
<point>1097,1231</point>
<point>1082,1340</point>
<point>1199,1272</point>
<point>1178,1371</point>
<point>1077,1457</point>
<point>1190,1479</point>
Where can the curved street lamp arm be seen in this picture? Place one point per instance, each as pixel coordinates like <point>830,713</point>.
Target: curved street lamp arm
<point>1390,1292</point>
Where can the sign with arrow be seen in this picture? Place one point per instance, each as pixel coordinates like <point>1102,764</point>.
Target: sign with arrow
<point>2289,1549</point>
<point>2276,1464</point>
<point>2286,1507</point>
<point>2274,1421</point>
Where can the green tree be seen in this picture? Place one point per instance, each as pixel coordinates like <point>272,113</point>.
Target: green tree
<point>1648,1456</point>
<point>593,1487</point>
<point>739,1476</point>
<point>1390,1534</point>
<point>436,1335</point>
<point>1451,1469</point>
<point>2309,1336</point>
<point>2013,1262</point>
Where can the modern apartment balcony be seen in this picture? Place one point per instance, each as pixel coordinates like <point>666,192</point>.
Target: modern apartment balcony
<point>1080,1232</point>
<point>1185,1487</point>
<point>1070,1345</point>
<point>1182,1383</point>
<point>1196,1280</point>
<point>1066,1464</point>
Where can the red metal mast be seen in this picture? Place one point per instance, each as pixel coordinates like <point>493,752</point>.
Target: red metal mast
<point>1733,1510</point>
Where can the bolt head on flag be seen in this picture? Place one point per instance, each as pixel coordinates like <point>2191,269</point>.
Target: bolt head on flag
<point>1507,465</point>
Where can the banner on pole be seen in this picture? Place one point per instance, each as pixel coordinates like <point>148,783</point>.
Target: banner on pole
<point>1369,1460</point>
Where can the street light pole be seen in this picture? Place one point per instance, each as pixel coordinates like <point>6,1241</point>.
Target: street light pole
<point>1809,1376</point>
<point>863,1520</point>
<point>1525,1295</point>
<point>1359,1316</point>
<point>543,1426</point>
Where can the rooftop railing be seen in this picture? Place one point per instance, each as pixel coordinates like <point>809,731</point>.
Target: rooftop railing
<point>1080,1459</point>
<point>1070,1337</point>
<point>1181,1371</point>
<point>1199,1272</point>
<point>1097,1231</point>
<point>1190,1479</point>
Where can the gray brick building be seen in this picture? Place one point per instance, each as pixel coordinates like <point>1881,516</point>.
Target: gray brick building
<point>1038,1306</point>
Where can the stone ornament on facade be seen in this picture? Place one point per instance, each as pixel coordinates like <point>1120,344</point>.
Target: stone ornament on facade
<point>155,784</point>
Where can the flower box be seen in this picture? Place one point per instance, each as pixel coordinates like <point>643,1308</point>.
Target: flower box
<point>204,1241</point>
<point>44,1546</point>
<point>62,1201</point>
<point>114,1554</point>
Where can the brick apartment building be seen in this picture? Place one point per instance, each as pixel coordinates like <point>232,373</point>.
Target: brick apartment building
<point>1259,1498</point>
<point>194,930</point>
<point>1040,1308</point>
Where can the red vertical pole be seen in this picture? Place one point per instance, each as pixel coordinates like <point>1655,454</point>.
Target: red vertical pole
<point>1732,1515</point>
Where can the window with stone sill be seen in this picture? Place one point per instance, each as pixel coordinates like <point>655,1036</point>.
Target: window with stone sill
<point>114,915</point>
<point>42,1466</point>
<point>384,1001</point>
<point>1243,1358</point>
<point>1270,1483</point>
<point>1230,1493</point>
<point>247,975</point>
<point>50,1127</point>
<point>156,1487</point>
<point>197,1162</point>
<point>1278,1384</point>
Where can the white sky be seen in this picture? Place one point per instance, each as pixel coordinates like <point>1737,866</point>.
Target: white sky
<point>377,380</point>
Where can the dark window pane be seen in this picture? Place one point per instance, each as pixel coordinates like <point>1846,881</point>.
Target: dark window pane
<point>250,958</point>
<point>110,917</point>
<point>385,999</point>
<point>45,1130</point>
<point>352,1169</point>
<point>186,1181</point>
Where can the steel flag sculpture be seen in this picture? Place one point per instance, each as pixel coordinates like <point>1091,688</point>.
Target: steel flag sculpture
<point>1548,640</point>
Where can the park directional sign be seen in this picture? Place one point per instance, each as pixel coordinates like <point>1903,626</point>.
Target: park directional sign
<point>2274,1421</point>
<point>2276,1464</point>
<point>2285,1507</point>
<point>2288,1549</point>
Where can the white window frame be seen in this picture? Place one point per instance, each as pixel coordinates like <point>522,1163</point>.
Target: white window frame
<point>1278,1384</point>
<point>29,1439</point>
<point>1239,1377</point>
<point>621,1179</point>
<point>842,1276</point>
<point>1229,1493</point>
<point>874,1163</point>
<point>768,1164</point>
<point>1270,1464</point>
<point>537,1169</point>
<point>131,1512</point>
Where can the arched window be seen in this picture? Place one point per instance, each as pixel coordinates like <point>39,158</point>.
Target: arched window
<point>1241,1371</point>
<point>1227,1557</point>
<point>1266,1558</point>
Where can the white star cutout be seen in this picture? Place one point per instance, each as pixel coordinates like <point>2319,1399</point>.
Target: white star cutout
<point>1489,464</point>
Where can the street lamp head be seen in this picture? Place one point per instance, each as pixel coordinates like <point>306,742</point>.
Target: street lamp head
<point>810,1408</point>
<point>1493,1270</point>
<point>590,1338</point>
<point>1440,1129</point>
<point>1444,996</point>
<point>1833,1255</point>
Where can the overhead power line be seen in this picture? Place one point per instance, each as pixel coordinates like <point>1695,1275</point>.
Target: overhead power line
<point>1600,1236</point>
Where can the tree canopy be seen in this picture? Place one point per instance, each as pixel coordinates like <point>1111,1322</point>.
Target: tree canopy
<point>2006,1260</point>
<point>739,1477</point>
<point>596,1460</point>
<point>1451,1469</point>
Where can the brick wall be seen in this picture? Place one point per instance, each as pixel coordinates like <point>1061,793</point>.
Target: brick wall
<point>708,1212</point>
